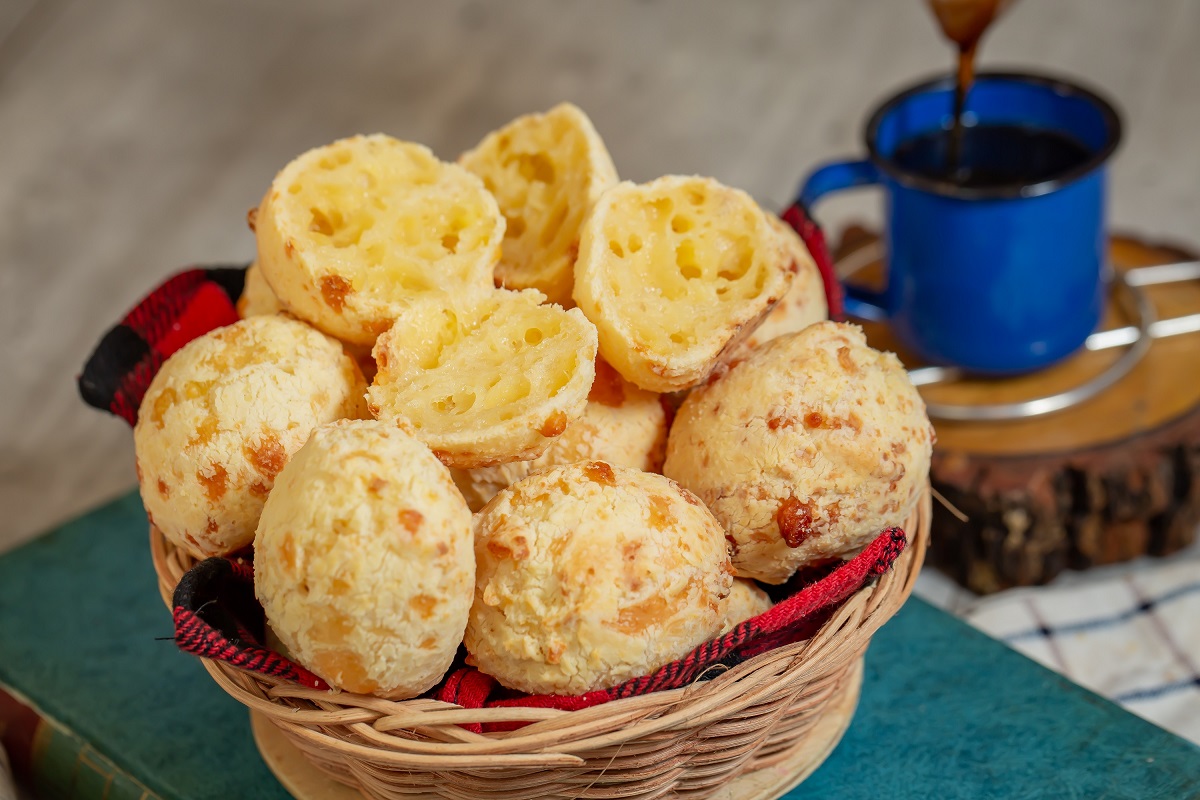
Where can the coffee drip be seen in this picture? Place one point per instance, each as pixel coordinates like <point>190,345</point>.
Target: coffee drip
<point>963,22</point>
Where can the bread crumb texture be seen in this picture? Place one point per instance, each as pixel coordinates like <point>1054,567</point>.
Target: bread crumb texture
<point>590,574</point>
<point>222,417</point>
<point>546,172</point>
<point>621,424</point>
<point>364,562</point>
<point>350,233</point>
<point>487,380</point>
<point>802,305</point>
<point>805,451</point>
<point>674,273</point>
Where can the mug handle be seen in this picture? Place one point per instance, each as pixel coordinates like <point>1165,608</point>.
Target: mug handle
<point>857,302</point>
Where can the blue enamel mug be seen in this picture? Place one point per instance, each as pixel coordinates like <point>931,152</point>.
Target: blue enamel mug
<point>997,279</point>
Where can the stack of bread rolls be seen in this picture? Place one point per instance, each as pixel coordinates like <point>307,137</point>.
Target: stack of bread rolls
<point>441,420</point>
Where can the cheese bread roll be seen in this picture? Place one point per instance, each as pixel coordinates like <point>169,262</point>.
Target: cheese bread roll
<point>222,417</point>
<point>364,562</point>
<point>746,600</point>
<point>804,302</point>
<point>674,273</point>
<point>804,451</point>
<point>492,379</point>
<point>546,172</point>
<point>350,233</point>
<point>621,424</point>
<point>257,298</point>
<point>589,575</point>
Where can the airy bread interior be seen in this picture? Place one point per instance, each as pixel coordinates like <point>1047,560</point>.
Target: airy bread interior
<point>497,374</point>
<point>546,171</point>
<point>689,246</point>
<point>674,273</point>
<point>388,216</point>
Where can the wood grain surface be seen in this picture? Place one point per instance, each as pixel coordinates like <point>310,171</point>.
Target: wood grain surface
<point>136,134</point>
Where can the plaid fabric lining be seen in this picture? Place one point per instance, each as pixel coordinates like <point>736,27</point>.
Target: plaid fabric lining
<point>217,617</point>
<point>190,304</point>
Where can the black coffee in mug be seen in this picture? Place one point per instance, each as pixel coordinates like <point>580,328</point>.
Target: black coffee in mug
<point>992,156</point>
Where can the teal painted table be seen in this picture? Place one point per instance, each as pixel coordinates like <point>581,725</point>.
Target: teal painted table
<point>945,713</point>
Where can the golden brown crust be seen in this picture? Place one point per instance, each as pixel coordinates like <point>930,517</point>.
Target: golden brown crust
<point>746,600</point>
<point>590,574</point>
<point>805,451</point>
<point>364,562</point>
<point>223,415</point>
<point>257,298</point>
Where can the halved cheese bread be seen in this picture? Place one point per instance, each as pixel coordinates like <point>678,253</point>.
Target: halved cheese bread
<point>546,172</point>
<point>489,380</point>
<point>621,425</point>
<point>350,233</point>
<point>674,273</point>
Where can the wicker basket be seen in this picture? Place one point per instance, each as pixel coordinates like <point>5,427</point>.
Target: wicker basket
<point>686,742</point>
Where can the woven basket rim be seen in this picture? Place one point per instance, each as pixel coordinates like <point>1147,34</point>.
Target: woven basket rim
<point>427,734</point>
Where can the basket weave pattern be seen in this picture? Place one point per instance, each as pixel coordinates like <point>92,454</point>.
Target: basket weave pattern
<point>685,742</point>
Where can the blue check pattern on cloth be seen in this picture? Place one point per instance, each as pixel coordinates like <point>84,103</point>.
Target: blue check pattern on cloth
<point>1129,632</point>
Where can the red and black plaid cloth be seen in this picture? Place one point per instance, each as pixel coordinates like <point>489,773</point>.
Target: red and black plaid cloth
<point>217,616</point>
<point>190,304</point>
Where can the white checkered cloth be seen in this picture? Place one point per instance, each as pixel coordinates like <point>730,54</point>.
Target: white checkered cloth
<point>1128,632</point>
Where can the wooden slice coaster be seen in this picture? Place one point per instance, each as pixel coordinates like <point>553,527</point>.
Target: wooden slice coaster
<point>305,782</point>
<point>1114,478</point>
